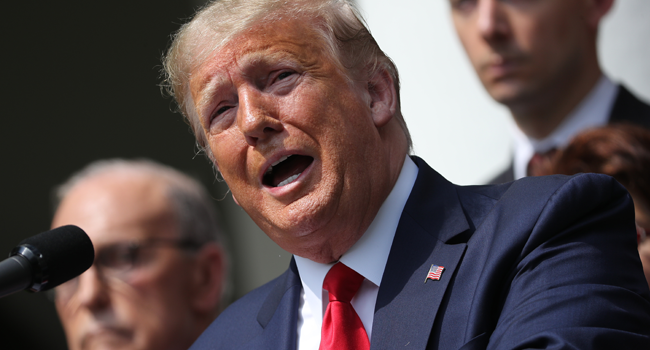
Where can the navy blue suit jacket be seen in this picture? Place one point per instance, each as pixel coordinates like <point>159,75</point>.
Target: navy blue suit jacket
<point>543,262</point>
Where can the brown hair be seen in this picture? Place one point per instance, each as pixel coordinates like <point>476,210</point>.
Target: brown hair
<point>621,151</point>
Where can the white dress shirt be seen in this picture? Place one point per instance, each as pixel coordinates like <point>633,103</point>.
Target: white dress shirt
<point>592,112</point>
<point>367,257</point>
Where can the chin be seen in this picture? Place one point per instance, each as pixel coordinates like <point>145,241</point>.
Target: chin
<point>508,94</point>
<point>105,343</point>
<point>300,225</point>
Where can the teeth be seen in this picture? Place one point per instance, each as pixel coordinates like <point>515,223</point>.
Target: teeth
<point>280,161</point>
<point>288,180</point>
<point>270,169</point>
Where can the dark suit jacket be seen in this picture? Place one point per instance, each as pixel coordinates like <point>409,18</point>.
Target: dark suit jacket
<point>543,262</point>
<point>627,109</point>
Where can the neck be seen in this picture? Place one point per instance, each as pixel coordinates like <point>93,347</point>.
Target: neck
<point>331,250</point>
<point>394,151</point>
<point>540,115</point>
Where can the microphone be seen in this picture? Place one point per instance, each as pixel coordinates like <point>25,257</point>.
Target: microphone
<point>46,260</point>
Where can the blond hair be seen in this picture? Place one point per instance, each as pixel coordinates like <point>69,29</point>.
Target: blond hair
<point>345,37</point>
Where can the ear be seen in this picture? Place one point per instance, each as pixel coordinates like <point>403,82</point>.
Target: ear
<point>597,10</point>
<point>209,278</point>
<point>383,97</point>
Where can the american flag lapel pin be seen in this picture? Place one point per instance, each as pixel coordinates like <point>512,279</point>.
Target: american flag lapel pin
<point>434,273</point>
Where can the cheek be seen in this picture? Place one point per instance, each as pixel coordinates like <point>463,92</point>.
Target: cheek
<point>71,320</point>
<point>326,112</point>
<point>229,151</point>
<point>529,33</point>
<point>471,40</point>
<point>157,305</point>
<point>161,281</point>
<point>546,33</point>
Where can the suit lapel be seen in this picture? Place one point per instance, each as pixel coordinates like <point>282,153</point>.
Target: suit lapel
<point>406,306</point>
<point>278,315</point>
<point>629,109</point>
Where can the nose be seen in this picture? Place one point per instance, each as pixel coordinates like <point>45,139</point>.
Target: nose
<point>492,20</point>
<point>257,116</point>
<point>91,291</point>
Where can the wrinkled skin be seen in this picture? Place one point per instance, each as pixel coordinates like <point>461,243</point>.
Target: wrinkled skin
<point>274,91</point>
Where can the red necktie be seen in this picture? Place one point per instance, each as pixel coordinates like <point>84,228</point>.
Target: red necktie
<point>342,327</point>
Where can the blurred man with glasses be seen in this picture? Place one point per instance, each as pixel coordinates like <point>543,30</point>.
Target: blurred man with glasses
<point>159,274</point>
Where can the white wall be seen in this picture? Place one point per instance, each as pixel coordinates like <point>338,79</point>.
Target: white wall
<point>455,125</point>
<point>625,45</point>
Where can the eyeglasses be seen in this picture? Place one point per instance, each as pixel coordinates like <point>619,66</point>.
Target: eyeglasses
<point>121,259</point>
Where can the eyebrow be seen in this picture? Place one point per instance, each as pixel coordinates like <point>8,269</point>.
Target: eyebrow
<point>259,56</point>
<point>207,91</point>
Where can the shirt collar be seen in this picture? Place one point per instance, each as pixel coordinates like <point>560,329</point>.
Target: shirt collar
<point>592,112</point>
<point>368,256</point>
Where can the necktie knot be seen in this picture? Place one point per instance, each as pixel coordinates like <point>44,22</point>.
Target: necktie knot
<point>342,328</point>
<point>342,283</point>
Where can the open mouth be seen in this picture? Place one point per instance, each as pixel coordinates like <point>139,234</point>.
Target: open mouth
<point>286,170</point>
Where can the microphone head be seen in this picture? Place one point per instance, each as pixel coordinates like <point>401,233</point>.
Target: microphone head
<point>57,256</point>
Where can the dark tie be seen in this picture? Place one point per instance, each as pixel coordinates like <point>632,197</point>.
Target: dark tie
<point>540,163</point>
<point>342,328</point>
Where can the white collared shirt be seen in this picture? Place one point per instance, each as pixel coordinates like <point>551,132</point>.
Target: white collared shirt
<point>592,112</point>
<point>368,257</point>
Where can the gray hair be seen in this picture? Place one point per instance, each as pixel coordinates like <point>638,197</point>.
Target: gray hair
<point>195,213</point>
<point>194,209</point>
<point>346,39</point>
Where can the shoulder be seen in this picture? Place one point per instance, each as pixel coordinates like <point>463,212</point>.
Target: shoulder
<point>559,188</point>
<point>539,208</point>
<point>514,203</point>
<point>579,194</point>
<point>239,322</point>
<point>562,248</point>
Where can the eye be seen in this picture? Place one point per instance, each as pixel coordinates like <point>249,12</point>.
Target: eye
<point>119,257</point>
<point>283,81</point>
<point>284,75</point>
<point>463,5</point>
<point>222,110</point>
<point>131,255</point>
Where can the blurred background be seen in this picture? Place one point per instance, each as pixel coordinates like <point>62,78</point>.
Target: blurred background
<point>81,83</point>
<point>456,127</point>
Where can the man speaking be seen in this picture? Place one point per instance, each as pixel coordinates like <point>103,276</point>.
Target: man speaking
<point>298,108</point>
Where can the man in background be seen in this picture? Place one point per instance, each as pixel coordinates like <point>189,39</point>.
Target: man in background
<point>540,59</point>
<point>298,108</point>
<point>160,270</point>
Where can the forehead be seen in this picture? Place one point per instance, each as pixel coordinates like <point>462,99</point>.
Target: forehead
<point>530,9</point>
<point>118,206</point>
<point>296,40</point>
